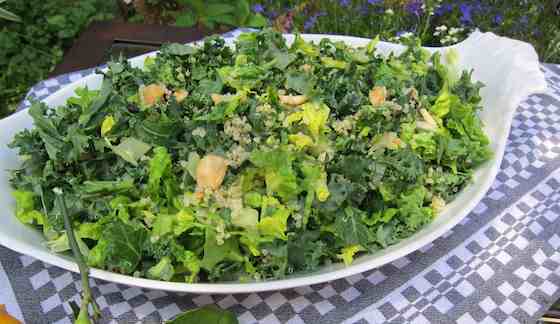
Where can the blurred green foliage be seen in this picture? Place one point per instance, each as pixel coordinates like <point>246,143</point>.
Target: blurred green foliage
<point>31,48</point>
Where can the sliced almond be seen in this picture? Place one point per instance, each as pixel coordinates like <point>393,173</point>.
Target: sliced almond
<point>293,100</point>
<point>151,94</point>
<point>210,172</point>
<point>377,96</point>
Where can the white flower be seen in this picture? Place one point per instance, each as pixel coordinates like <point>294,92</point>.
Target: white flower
<point>455,30</point>
<point>407,35</point>
<point>389,12</point>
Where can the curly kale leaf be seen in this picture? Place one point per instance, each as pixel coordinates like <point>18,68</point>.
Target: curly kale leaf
<point>120,247</point>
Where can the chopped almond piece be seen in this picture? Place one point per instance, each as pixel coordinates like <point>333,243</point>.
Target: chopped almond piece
<point>293,100</point>
<point>180,95</point>
<point>377,96</point>
<point>210,172</point>
<point>427,117</point>
<point>389,140</point>
<point>306,68</point>
<point>413,94</point>
<point>425,126</point>
<point>198,195</point>
<point>216,98</point>
<point>151,94</point>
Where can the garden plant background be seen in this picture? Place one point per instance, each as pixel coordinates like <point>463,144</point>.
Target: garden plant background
<point>31,47</point>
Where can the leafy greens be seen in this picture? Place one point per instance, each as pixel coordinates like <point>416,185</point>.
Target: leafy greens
<point>215,163</point>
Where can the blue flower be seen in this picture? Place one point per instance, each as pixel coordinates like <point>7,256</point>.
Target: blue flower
<point>414,7</point>
<point>309,23</point>
<point>374,2</point>
<point>344,3</point>
<point>443,9</point>
<point>498,19</point>
<point>364,10</point>
<point>466,13</point>
<point>258,8</point>
<point>272,14</point>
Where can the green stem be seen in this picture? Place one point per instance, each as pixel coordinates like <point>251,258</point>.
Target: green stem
<point>427,23</point>
<point>425,30</point>
<point>87,296</point>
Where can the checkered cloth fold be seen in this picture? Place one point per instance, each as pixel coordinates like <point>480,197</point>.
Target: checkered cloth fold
<point>500,265</point>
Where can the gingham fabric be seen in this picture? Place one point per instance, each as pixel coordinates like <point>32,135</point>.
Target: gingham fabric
<point>500,265</point>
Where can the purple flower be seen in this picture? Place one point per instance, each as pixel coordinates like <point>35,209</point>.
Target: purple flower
<point>414,7</point>
<point>344,3</point>
<point>258,8</point>
<point>466,13</point>
<point>374,2</point>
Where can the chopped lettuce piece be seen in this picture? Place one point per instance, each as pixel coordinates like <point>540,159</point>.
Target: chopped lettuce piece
<point>275,225</point>
<point>25,208</point>
<point>107,125</point>
<point>131,150</point>
<point>347,253</point>
<point>313,115</point>
<point>163,270</point>
<point>300,140</point>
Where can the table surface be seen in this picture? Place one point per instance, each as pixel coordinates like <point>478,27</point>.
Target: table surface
<point>500,265</point>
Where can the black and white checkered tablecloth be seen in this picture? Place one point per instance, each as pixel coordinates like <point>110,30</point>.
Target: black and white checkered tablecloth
<point>500,265</point>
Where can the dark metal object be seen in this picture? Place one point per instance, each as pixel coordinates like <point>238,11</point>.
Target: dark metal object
<point>103,40</point>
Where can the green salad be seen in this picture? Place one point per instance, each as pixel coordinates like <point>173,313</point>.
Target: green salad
<point>216,163</point>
